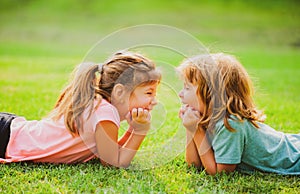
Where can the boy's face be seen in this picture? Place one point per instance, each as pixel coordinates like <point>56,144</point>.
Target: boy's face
<point>188,96</point>
<point>143,97</point>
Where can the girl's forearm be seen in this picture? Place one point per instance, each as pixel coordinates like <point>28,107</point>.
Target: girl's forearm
<point>129,149</point>
<point>109,150</point>
<point>125,137</point>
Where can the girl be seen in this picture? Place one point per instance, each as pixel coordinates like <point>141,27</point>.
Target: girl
<point>225,131</point>
<point>86,118</point>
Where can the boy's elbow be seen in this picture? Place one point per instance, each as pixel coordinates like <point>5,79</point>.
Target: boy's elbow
<point>195,164</point>
<point>218,171</point>
<point>211,172</point>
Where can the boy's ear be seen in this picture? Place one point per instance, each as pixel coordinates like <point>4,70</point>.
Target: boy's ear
<point>118,92</point>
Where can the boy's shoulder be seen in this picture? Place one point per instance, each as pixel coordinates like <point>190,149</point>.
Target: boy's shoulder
<point>233,121</point>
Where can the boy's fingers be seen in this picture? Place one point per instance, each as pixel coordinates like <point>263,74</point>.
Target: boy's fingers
<point>197,113</point>
<point>191,115</point>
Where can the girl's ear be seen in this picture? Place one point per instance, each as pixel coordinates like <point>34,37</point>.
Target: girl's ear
<point>119,92</point>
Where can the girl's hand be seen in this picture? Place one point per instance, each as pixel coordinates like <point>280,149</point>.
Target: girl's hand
<point>139,120</point>
<point>190,118</point>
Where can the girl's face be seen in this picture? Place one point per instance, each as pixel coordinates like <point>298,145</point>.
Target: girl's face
<point>143,97</point>
<point>188,96</point>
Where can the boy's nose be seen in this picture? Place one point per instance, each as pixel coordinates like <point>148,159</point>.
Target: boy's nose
<point>180,94</point>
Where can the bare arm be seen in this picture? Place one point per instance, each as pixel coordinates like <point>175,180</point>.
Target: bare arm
<point>125,137</point>
<point>191,152</point>
<point>207,155</point>
<point>120,153</point>
<point>205,152</point>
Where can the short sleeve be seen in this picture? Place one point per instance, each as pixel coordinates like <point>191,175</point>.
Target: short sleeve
<point>228,146</point>
<point>106,112</point>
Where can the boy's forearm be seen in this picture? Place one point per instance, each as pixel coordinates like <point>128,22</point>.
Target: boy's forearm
<point>205,152</point>
<point>191,154</point>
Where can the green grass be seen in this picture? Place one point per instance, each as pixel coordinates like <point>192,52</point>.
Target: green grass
<point>174,177</point>
<point>41,42</point>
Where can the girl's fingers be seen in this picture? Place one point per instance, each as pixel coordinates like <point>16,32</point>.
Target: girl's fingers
<point>140,114</point>
<point>134,113</point>
<point>146,114</point>
<point>128,117</point>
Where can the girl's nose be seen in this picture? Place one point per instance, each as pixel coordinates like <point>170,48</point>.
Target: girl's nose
<point>154,101</point>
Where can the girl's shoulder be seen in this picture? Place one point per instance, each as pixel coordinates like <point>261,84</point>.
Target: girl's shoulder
<point>104,109</point>
<point>100,104</point>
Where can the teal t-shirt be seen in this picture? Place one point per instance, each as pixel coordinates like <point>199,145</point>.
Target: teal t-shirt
<point>251,148</point>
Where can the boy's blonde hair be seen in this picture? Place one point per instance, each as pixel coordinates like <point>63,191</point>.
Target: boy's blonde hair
<point>92,81</point>
<point>224,88</point>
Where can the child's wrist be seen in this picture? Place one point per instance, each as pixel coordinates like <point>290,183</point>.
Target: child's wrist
<point>191,129</point>
<point>140,128</point>
<point>140,132</point>
<point>130,129</point>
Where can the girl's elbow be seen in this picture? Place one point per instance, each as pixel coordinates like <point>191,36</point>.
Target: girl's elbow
<point>119,164</point>
<point>125,163</point>
<point>103,163</point>
<point>115,164</point>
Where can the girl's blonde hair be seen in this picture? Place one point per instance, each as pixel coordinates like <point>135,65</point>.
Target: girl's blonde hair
<point>90,81</point>
<point>224,88</point>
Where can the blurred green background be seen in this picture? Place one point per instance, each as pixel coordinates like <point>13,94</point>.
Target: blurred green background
<point>70,27</point>
<point>43,40</point>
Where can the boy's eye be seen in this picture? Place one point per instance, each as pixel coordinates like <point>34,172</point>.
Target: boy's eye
<point>185,86</point>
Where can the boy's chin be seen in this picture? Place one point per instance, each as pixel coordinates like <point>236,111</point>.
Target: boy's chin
<point>189,106</point>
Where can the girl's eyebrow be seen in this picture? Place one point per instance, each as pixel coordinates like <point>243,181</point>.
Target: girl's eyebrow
<point>151,89</point>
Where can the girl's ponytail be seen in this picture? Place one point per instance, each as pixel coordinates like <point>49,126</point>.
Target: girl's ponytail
<point>77,97</point>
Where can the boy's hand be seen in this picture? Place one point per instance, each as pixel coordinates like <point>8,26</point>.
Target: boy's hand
<point>139,120</point>
<point>190,118</point>
<point>182,111</point>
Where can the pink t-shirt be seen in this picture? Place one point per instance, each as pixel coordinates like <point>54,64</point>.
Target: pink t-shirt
<point>49,141</point>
